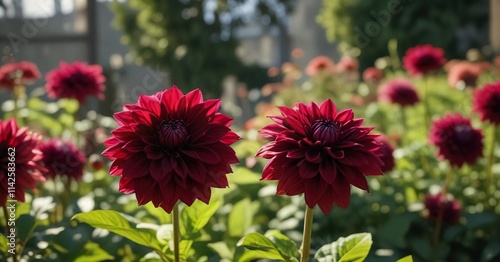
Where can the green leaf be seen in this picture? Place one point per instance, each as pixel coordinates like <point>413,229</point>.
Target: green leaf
<point>70,105</point>
<point>353,248</point>
<point>221,249</point>
<point>285,245</point>
<point>36,103</point>
<point>195,217</point>
<point>116,223</point>
<point>241,217</point>
<point>92,252</point>
<point>3,244</point>
<point>258,246</point>
<point>406,259</point>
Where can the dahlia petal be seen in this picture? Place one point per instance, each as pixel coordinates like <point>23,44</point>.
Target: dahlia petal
<point>144,188</point>
<point>166,164</point>
<point>222,119</point>
<point>308,170</point>
<point>126,185</point>
<point>341,191</point>
<point>150,103</point>
<point>326,201</point>
<point>290,184</point>
<point>314,190</point>
<point>136,166</point>
<point>313,156</point>
<point>230,138</point>
<point>203,153</point>
<point>354,176</point>
<point>156,171</point>
<point>344,115</point>
<point>153,152</point>
<point>194,97</point>
<point>272,130</point>
<point>197,171</point>
<point>335,153</point>
<point>328,109</point>
<point>134,146</point>
<point>179,167</point>
<point>328,171</point>
<point>214,132</point>
<point>371,169</point>
<point>296,153</point>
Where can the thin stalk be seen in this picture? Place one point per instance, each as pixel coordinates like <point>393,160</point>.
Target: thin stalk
<point>427,113</point>
<point>175,220</point>
<point>7,228</point>
<point>439,222</point>
<point>405,125</point>
<point>491,185</point>
<point>306,238</point>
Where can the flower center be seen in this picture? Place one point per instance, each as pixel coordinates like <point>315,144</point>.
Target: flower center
<point>172,133</point>
<point>325,131</point>
<point>463,133</point>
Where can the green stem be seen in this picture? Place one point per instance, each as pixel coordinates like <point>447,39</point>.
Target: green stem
<point>427,113</point>
<point>439,222</point>
<point>405,125</point>
<point>7,228</point>
<point>306,238</point>
<point>491,184</point>
<point>175,220</point>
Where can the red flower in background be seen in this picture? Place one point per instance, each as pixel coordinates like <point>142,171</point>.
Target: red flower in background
<point>437,203</point>
<point>320,152</point>
<point>385,153</point>
<point>21,73</point>
<point>456,140</point>
<point>62,158</point>
<point>487,103</point>
<point>423,59</point>
<point>464,73</point>
<point>373,75</point>
<point>78,80</point>
<point>320,65</point>
<point>398,91</point>
<point>171,147</point>
<point>26,156</point>
<point>347,65</point>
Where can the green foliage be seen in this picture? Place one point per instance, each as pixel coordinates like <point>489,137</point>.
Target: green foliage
<point>369,25</point>
<point>272,245</point>
<point>354,248</point>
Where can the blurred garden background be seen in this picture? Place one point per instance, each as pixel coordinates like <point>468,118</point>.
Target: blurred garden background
<point>425,74</point>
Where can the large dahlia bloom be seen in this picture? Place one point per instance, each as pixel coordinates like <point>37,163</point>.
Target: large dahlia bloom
<point>320,65</point>
<point>78,80</point>
<point>319,151</point>
<point>171,147</point>
<point>423,59</point>
<point>450,208</point>
<point>487,103</point>
<point>21,73</point>
<point>398,91</point>
<point>62,158</point>
<point>386,154</point>
<point>21,147</point>
<point>456,140</point>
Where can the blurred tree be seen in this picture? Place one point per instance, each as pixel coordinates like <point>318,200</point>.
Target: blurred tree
<point>193,39</point>
<point>368,25</point>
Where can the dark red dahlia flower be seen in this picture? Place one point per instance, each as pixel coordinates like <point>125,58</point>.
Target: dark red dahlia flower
<point>487,103</point>
<point>423,59</point>
<point>77,80</point>
<point>464,74</point>
<point>171,147</point>
<point>21,73</point>
<point>347,65</point>
<point>320,152</point>
<point>320,65</point>
<point>456,140</point>
<point>435,204</point>
<point>398,91</point>
<point>373,75</point>
<point>62,158</point>
<point>385,153</point>
<point>19,159</point>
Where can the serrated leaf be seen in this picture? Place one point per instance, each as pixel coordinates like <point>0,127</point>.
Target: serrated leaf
<point>116,223</point>
<point>195,217</point>
<point>354,248</point>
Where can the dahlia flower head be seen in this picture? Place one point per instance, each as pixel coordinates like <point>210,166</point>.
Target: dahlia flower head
<point>78,81</point>
<point>320,65</point>
<point>170,146</point>
<point>347,65</point>
<point>464,74</point>
<point>423,59</point>
<point>450,207</point>
<point>386,154</point>
<point>62,158</point>
<point>456,140</point>
<point>319,151</point>
<point>373,75</point>
<point>26,156</point>
<point>21,73</point>
<point>398,91</point>
<point>486,102</point>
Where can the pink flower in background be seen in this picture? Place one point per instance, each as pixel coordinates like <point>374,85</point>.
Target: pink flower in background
<point>320,65</point>
<point>78,81</point>
<point>398,91</point>
<point>171,147</point>
<point>21,73</point>
<point>464,73</point>
<point>373,75</point>
<point>62,158</point>
<point>319,151</point>
<point>21,147</point>
<point>423,59</point>
<point>486,102</point>
<point>435,204</point>
<point>457,141</point>
<point>347,65</point>
<point>385,153</point>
